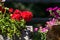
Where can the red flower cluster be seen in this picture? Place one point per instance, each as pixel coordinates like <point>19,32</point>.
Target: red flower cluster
<point>17,15</point>
<point>27,15</point>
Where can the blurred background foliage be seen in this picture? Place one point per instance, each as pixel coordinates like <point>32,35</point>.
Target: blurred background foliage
<point>38,9</point>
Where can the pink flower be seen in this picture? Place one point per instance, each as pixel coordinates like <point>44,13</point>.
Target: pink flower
<point>44,30</point>
<point>58,9</point>
<point>51,23</point>
<point>55,8</point>
<point>49,9</point>
<point>36,29</point>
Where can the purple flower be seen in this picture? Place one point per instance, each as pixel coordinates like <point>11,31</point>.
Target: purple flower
<point>55,8</point>
<point>56,15</point>
<point>36,29</point>
<point>49,9</point>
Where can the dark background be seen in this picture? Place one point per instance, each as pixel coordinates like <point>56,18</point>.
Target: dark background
<point>35,1</point>
<point>38,7</point>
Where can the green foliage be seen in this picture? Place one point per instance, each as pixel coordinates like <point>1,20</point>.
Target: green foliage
<point>10,27</point>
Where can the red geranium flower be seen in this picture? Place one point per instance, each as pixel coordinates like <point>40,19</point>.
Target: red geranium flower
<point>16,16</point>
<point>0,8</point>
<point>3,10</point>
<point>10,10</point>
<point>27,15</point>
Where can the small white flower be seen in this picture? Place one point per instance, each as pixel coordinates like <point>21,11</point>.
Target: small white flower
<point>0,11</point>
<point>6,8</point>
<point>26,37</point>
<point>3,0</point>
